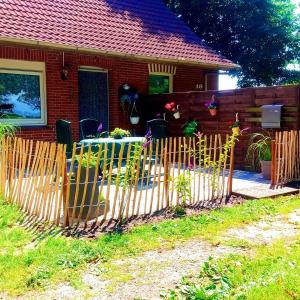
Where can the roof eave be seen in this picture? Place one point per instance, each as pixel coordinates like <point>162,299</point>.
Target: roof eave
<point>29,42</point>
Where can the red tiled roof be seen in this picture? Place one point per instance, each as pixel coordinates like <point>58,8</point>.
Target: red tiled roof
<point>142,28</point>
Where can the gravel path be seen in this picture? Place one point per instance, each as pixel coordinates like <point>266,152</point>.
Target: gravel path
<point>154,271</point>
<point>264,232</point>
<point>145,276</point>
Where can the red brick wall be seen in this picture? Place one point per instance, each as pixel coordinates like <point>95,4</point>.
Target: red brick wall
<point>187,79</point>
<point>62,96</point>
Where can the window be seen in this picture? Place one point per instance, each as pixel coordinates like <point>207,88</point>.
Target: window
<point>22,92</point>
<point>160,83</point>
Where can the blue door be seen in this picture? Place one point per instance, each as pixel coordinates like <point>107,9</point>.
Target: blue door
<point>93,96</point>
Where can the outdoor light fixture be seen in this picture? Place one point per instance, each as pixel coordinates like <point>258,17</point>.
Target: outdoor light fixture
<point>65,69</point>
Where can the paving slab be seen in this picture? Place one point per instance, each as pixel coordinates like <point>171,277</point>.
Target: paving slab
<point>253,186</point>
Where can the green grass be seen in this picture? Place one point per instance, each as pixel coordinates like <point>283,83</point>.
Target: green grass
<point>273,273</point>
<point>61,259</point>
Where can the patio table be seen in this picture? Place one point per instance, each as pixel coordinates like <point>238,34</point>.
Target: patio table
<point>109,141</point>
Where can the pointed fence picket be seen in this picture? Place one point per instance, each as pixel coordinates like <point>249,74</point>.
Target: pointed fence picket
<point>285,158</point>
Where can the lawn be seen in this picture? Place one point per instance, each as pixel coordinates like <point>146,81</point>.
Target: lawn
<point>29,260</point>
<point>273,273</point>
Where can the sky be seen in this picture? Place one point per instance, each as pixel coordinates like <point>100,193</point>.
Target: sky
<point>226,82</point>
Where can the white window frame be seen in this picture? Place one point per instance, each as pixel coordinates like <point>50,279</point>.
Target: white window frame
<point>28,68</point>
<point>171,78</point>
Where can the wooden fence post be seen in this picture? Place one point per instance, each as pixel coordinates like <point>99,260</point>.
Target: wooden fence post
<point>166,173</point>
<point>11,158</point>
<point>273,168</point>
<point>64,184</point>
<point>231,170</point>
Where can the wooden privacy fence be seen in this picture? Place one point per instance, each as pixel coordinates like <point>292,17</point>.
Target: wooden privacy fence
<point>247,102</point>
<point>285,157</point>
<point>115,181</point>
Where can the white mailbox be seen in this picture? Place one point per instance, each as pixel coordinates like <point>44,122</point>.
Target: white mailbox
<point>271,116</point>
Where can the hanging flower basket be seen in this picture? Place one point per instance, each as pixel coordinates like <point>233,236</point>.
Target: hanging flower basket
<point>134,120</point>
<point>134,117</point>
<point>212,106</point>
<point>235,130</point>
<point>235,127</point>
<point>172,108</point>
<point>213,111</point>
<point>176,114</point>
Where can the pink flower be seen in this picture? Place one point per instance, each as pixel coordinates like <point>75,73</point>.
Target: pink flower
<point>244,130</point>
<point>168,106</point>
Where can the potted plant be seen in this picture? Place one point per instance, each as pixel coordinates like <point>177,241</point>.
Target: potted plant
<point>119,133</point>
<point>86,189</point>
<point>190,128</point>
<point>259,153</point>
<point>235,127</point>
<point>174,109</point>
<point>212,106</point>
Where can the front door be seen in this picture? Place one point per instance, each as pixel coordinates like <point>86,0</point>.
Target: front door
<point>93,96</point>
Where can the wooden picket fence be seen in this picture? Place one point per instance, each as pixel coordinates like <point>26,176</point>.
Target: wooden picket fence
<point>114,181</point>
<point>285,157</point>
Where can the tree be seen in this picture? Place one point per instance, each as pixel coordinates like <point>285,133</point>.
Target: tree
<point>262,36</point>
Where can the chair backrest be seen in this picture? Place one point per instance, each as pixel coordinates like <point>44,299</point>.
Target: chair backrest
<point>158,128</point>
<point>64,134</point>
<point>88,128</point>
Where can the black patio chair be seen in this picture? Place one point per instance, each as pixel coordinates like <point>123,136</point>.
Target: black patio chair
<point>88,128</point>
<point>159,131</point>
<point>64,135</point>
<point>159,128</point>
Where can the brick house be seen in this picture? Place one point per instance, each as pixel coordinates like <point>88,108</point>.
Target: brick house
<point>68,59</point>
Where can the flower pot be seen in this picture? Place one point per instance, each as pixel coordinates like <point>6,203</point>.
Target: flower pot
<point>134,120</point>
<point>213,112</point>
<point>176,115</point>
<point>266,169</point>
<point>118,137</point>
<point>235,130</point>
<point>89,199</point>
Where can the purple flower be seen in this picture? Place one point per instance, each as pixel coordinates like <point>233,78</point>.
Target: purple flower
<point>148,134</point>
<point>100,128</point>
<point>199,134</point>
<point>148,138</point>
<point>158,115</point>
<point>212,103</point>
<point>147,143</point>
<point>191,164</point>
